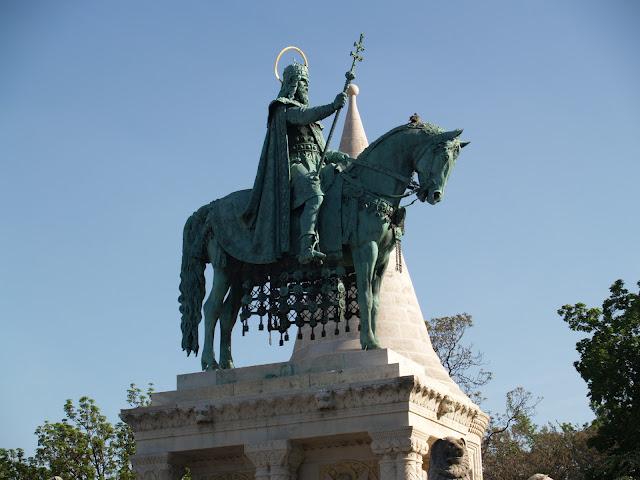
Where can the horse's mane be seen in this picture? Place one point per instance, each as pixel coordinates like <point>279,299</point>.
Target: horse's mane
<point>429,128</point>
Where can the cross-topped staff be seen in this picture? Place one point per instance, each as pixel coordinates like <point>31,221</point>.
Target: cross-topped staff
<point>359,47</point>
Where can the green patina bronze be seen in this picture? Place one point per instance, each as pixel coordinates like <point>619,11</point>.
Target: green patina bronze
<point>311,241</point>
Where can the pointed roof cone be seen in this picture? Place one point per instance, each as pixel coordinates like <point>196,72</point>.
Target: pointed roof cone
<point>353,140</point>
<point>400,325</point>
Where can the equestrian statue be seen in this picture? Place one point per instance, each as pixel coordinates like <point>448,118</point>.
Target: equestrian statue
<point>310,242</point>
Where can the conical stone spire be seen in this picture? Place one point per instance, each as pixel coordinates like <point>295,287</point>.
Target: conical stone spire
<point>400,324</point>
<point>353,140</point>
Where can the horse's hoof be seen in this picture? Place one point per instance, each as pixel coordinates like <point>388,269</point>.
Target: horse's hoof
<point>227,365</point>
<point>371,344</point>
<point>209,366</point>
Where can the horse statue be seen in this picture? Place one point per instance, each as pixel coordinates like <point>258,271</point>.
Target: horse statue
<point>367,192</point>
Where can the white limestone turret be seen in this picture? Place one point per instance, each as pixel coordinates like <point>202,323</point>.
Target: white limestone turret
<point>353,140</point>
<point>400,324</point>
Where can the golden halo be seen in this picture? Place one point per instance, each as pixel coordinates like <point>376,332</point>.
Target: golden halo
<point>285,49</point>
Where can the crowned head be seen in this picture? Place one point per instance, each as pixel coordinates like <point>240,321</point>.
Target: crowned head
<point>295,83</point>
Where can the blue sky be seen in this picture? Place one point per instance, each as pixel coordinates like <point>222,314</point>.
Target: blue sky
<point>118,119</point>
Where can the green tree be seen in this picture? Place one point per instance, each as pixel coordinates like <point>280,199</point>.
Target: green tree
<point>82,446</point>
<point>15,466</point>
<point>513,446</point>
<point>610,364</point>
<point>463,364</point>
<point>85,445</point>
<point>560,451</point>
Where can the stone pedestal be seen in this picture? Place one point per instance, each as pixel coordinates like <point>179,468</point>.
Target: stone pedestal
<point>345,415</point>
<point>333,412</point>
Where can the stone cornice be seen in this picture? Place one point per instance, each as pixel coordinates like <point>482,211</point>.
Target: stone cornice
<point>354,396</point>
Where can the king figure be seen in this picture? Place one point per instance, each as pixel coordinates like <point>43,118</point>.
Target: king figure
<point>288,176</point>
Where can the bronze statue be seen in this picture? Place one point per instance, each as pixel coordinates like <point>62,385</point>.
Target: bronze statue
<point>263,244</point>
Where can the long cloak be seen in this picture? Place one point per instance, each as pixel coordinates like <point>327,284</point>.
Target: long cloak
<point>268,211</point>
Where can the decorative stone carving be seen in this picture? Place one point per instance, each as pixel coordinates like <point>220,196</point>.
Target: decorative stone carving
<point>445,406</point>
<point>325,400</point>
<point>449,460</point>
<point>205,415</point>
<point>404,440</point>
<point>479,424</point>
<point>350,470</point>
<point>274,459</point>
<point>401,453</point>
<point>156,467</point>
<point>148,418</point>
<point>400,389</point>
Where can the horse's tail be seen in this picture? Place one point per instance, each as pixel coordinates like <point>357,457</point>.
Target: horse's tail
<point>192,289</point>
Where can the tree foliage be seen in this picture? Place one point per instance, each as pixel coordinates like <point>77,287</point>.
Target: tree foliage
<point>15,466</point>
<point>560,451</point>
<point>610,364</point>
<point>84,445</point>
<point>514,448</point>
<point>461,361</point>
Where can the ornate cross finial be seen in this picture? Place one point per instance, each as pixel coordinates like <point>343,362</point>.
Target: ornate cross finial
<point>356,53</point>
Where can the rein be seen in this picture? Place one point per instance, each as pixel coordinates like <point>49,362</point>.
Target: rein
<point>412,189</point>
<point>412,186</point>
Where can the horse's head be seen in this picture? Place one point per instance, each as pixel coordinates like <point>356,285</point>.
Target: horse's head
<point>434,162</point>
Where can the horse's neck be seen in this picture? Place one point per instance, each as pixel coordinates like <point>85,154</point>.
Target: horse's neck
<point>393,154</point>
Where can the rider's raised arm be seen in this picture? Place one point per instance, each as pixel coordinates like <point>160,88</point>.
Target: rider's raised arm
<point>306,115</point>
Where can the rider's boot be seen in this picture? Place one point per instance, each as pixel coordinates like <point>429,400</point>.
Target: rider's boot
<point>308,253</point>
<point>308,237</point>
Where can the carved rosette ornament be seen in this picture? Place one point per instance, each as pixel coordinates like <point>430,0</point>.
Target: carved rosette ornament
<point>400,453</point>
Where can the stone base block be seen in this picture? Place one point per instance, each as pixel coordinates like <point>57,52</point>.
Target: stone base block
<point>345,415</point>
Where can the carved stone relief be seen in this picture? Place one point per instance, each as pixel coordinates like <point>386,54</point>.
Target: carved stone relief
<point>350,470</point>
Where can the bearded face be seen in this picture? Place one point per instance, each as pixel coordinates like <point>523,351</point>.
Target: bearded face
<point>302,91</point>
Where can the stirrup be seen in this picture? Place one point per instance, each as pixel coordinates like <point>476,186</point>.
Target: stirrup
<point>310,255</point>
<point>307,251</point>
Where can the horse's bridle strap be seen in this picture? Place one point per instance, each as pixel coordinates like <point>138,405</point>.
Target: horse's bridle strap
<point>353,181</point>
<point>378,168</point>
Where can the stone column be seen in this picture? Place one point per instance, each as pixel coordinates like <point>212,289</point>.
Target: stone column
<point>474,441</point>
<point>156,467</point>
<point>274,460</point>
<point>400,452</point>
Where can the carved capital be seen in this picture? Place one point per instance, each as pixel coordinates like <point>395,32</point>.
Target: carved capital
<point>274,459</point>
<point>269,453</point>
<point>405,440</point>
<point>156,467</point>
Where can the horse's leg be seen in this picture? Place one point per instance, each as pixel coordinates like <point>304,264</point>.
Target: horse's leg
<point>212,309</point>
<point>383,260</point>
<point>227,322</point>
<point>364,260</point>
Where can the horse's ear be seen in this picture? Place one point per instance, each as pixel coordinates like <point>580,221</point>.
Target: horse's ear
<point>446,136</point>
<point>464,144</point>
